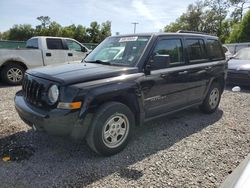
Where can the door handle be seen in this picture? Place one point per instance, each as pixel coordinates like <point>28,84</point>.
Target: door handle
<point>48,54</point>
<point>164,75</point>
<point>70,54</point>
<point>208,68</point>
<point>183,72</point>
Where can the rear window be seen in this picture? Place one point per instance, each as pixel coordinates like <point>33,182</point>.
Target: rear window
<point>54,44</point>
<point>215,50</point>
<point>196,50</point>
<point>32,43</point>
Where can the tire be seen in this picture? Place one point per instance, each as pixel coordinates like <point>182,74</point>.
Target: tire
<point>12,74</point>
<point>117,134</point>
<point>212,100</point>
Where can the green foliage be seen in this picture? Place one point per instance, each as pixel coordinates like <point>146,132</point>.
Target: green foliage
<point>21,32</point>
<point>211,16</point>
<point>239,6</point>
<point>93,34</point>
<point>45,21</point>
<point>241,31</point>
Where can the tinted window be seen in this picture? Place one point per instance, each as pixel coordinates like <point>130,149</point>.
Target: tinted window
<point>196,50</point>
<point>215,50</point>
<point>54,44</point>
<point>32,43</point>
<point>171,47</point>
<point>72,45</point>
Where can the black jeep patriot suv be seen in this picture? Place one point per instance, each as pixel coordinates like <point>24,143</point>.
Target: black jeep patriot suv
<point>124,82</point>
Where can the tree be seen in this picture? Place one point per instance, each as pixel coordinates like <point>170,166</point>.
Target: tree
<point>220,10</point>
<point>239,6</point>
<point>204,16</point>
<point>80,34</point>
<point>93,32</point>
<point>45,21</point>
<point>191,20</point>
<point>21,32</point>
<point>241,31</point>
<point>234,35</point>
<point>54,29</point>
<point>68,31</point>
<point>105,30</point>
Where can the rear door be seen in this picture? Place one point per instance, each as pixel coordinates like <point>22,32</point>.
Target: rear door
<point>76,52</point>
<point>56,52</point>
<point>199,68</point>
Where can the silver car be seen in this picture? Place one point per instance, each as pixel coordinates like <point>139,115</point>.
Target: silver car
<point>239,68</point>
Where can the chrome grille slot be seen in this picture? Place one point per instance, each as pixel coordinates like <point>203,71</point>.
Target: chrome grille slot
<point>32,91</point>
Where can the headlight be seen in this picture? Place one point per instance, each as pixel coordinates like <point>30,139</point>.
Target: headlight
<point>53,94</point>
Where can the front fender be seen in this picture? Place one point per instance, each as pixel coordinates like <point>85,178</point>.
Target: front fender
<point>124,92</point>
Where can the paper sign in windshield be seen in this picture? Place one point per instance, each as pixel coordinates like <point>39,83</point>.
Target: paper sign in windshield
<point>128,39</point>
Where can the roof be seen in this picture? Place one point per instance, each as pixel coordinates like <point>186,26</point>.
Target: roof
<point>52,37</point>
<point>168,33</point>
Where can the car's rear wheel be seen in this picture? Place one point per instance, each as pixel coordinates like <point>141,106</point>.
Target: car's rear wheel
<point>212,100</point>
<point>13,74</point>
<point>111,128</point>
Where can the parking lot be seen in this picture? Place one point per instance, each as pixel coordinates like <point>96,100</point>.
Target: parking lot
<point>187,149</point>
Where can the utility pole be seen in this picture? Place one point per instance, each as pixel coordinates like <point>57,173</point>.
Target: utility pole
<point>135,23</point>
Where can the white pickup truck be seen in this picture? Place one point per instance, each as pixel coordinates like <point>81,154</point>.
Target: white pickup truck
<point>39,51</point>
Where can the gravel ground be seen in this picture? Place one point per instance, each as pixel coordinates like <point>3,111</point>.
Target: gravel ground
<point>187,149</point>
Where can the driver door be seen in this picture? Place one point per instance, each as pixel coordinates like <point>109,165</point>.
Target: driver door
<point>165,87</point>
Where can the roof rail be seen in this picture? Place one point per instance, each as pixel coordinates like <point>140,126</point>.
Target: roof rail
<point>195,32</point>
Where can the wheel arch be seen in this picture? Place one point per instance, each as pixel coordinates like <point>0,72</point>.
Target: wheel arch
<point>128,98</point>
<point>13,61</point>
<point>219,80</point>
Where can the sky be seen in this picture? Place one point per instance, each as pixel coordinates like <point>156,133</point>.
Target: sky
<point>152,15</point>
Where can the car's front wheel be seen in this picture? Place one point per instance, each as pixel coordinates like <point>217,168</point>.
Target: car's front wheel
<point>212,100</point>
<point>111,128</point>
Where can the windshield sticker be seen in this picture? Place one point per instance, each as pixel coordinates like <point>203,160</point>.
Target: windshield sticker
<point>128,39</point>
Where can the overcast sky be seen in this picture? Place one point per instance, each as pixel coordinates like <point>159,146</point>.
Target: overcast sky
<point>152,15</point>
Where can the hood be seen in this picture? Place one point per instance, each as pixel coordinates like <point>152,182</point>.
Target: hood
<point>237,64</point>
<point>80,72</point>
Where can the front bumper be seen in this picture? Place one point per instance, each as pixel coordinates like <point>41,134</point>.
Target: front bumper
<point>56,121</point>
<point>240,77</point>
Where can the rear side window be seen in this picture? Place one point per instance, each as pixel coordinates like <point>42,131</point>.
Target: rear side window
<point>54,44</point>
<point>196,50</point>
<point>171,47</point>
<point>32,43</point>
<point>215,50</point>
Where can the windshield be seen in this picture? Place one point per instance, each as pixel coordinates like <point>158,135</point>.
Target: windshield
<point>123,51</point>
<point>243,54</point>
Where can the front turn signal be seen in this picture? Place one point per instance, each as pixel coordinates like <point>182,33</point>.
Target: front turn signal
<point>69,106</point>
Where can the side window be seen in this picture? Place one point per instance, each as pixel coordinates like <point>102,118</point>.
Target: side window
<point>214,49</point>
<point>54,44</point>
<point>32,43</point>
<point>196,50</point>
<point>171,47</point>
<point>72,45</point>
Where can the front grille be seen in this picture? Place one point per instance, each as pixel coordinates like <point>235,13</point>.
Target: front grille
<point>32,91</point>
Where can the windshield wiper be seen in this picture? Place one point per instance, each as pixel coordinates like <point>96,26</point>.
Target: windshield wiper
<point>99,62</point>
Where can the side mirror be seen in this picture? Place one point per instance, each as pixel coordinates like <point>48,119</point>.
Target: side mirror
<point>161,61</point>
<point>84,49</point>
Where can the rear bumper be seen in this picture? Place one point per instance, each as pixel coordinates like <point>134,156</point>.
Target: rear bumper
<point>56,122</point>
<point>238,77</point>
